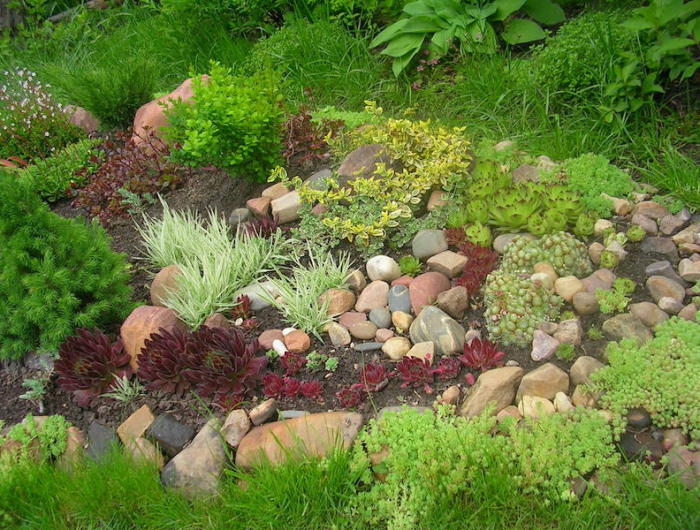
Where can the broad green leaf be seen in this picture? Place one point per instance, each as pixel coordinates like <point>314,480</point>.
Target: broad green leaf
<point>448,9</point>
<point>691,8</point>
<point>404,44</point>
<point>675,44</point>
<point>486,12</point>
<point>402,62</point>
<point>519,31</point>
<point>418,8</point>
<point>690,70</point>
<point>637,24</point>
<point>389,33</point>
<point>505,8</point>
<point>441,39</point>
<point>421,24</point>
<point>544,11</point>
<point>649,84</point>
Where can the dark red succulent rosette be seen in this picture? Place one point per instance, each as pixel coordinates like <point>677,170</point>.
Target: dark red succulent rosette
<point>416,372</point>
<point>89,365</point>
<point>481,354</point>
<point>221,364</point>
<point>374,377</point>
<point>351,396</point>
<point>163,361</point>
<point>448,368</point>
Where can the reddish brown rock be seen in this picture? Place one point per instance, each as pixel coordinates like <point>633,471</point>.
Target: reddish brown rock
<point>141,323</point>
<point>374,296</point>
<point>362,163</point>
<point>339,301</point>
<point>313,435</point>
<point>82,118</point>
<point>404,280</point>
<point>165,280</point>
<point>448,263</point>
<point>259,206</point>
<point>151,116</point>
<point>425,289</point>
<point>267,337</point>
<point>75,443</point>
<point>297,341</point>
<point>318,209</point>
<point>351,318</point>
<point>217,320</point>
<point>437,198</point>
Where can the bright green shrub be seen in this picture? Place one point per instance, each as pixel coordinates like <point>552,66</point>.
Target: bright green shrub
<point>51,438</point>
<point>591,175</point>
<point>436,457</point>
<point>233,123</point>
<point>52,177</point>
<point>579,56</point>
<point>56,274</point>
<point>662,376</point>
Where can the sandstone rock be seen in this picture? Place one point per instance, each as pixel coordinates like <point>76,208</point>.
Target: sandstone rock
<point>617,249</point>
<point>562,403</point>
<point>543,346</point>
<point>586,303</point>
<point>544,381</point>
<point>286,208</point>
<point>448,263</point>
<point>217,320</point>
<point>339,335</point>
<point>600,226</point>
<point>545,268</point>
<point>504,145</point>
<point>689,270</point>
<point>600,279</point>
<point>275,191</point>
<point>542,279</point>
<point>454,302</point>
<point>651,209</point>
<point>550,328</point>
<point>141,323</point>
<point>402,321</point>
<point>660,286</point>
<point>136,425</point>
<point>396,348</point>
<point>569,332</point>
<point>314,435</point>
<point>626,326</point>
<point>424,290</point>
<point>196,470</point>
<point>75,443</point>
<point>349,319</point>
<point>674,438</point>
<point>260,206</point>
<point>434,325</point>
<point>238,216</point>
<point>297,341</point>
<point>383,335</point>
<point>362,163</point>
<point>647,223</point>
<point>374,295</point>
<point>143,450</point>
<point>621,207</point>
<point>405,280</point>
<point>689,312</point>
<point>399,299</point>
<point>235,427</point>
<point>582,397</point>
<point>670,305</point>
<point>451,395</point>
<point>267,337</point>
<point>383,268</point>
<point>427,243</point>
<point>255,293</point>
<point>437,198</point>
<point>423,350</point>
<point>524,173</point>
<point>594,252</point>
<point>82,118</point>
<point>535,407</point>
<point>318,181</point>
<point>502,241</point>
<point>685,466</point>
<point>364,330</point>
<point>495,387</point>
<point>511,411</point>
<point>689,235</point>
<point>356,281</point>
<point>671,224</point>
<point>170,434</point>
<point>567,287</point>
<point>263,412</point>
<point>582,369</point>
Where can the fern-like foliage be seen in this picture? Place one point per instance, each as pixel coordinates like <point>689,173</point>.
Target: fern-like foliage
<point>56,274</point>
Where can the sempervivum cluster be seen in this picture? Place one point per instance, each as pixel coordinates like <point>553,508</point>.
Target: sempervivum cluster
<point>564,252</point>
<point>515,307</point>
<point>89,365</point>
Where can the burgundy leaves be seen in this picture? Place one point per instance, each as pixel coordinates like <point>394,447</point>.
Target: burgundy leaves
<point>215,362</point>
<point>481,354</point>
<point>89,364</point>
<point>374,377</point>
<point>416,372</point>
<point>304,140</point>
<point>277,387</point>
<point>480,260</point>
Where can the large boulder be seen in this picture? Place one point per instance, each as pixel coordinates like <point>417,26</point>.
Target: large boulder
<point>164,283</point>
<point>151,116</point>
<point>544,382</point>
<point>434,325</point>
<point>362,163</point>
<point>494,387</point>
<point>141,323</point>
<point>315,435</point>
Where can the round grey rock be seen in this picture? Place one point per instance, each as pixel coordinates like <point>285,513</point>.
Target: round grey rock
<point>381,317</point>
<point>427,243</point>
<point>399,299</point>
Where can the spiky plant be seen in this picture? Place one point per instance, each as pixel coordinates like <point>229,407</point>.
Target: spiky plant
<point>163,361</point>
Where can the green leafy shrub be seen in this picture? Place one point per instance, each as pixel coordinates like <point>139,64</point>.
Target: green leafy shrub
<point>579,56</point>
<point>32,123</point>
<point>615,300</point>
<point>56,274</point>
<point>51,436</point>
<point>53,178</point>
<point>471,26</point>
<point>591,175</point>
<point>233,123</point>
<point>435,457</point>
<point>238,15</point>
<point>662,376</point>
<point>114,89</point>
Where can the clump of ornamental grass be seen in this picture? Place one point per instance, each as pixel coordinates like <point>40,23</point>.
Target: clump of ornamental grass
<point>214,265</point>
<point>300,289</point>
<point>662,376</point>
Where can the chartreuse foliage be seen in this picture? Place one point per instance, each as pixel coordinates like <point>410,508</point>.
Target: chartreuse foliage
<point>437,25</point>
<point>233,123</point>
<point>56,274</point>
<point>662,376</point>
<point>48,440</point>
<point>435,457</point>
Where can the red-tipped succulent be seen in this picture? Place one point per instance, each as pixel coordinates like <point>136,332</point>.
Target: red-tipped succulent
<point>352,396</point>
<point>481,261</point>
<point>263,227</point>
<point>292,387</point>
<point>312,389</point>
<point>374,377</point>
<point>448,368</point>
<point>163,360</point>
<point>273,385</point>
<point>89,364</point>
<point>293,363</point>
<point>481,355</point>
<point>416,372</point>
<point>222,364</point>
<point>242,307</point>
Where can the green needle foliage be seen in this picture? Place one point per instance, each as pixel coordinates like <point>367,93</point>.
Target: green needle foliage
<point>56,274</point>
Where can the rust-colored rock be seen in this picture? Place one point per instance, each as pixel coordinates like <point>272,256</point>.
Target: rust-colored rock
<point>424,289</point>
<point>314,435</point>
<point>339,301</point>
<point>494,387</point>
<point>259,206</point>
<point>141,323</point>
<point>297,341</point>
<point>267,337</point>
<point>82,118</point>
<point>165,281</point>
<point>136,425</point>
<point>217,320</point>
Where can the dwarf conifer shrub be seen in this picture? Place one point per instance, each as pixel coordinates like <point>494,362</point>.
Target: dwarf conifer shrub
<point>56,274</point>
<point>233,123</point>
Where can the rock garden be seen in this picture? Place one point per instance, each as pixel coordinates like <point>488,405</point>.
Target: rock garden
<point>226,292</point>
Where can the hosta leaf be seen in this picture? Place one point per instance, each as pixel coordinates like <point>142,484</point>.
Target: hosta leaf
<point>418,8</point>
<point>637,24</point>
<point>422,24</point>
<point>544,11</point>
<point>389,33</point>
<point>404,44</point>
<point>505,8</point>
<point>441,39</point>
<point>402,62</point>
<point>520,31</point>
<point>675,44</point>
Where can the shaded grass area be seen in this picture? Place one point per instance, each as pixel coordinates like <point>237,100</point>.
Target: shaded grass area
<point>122,495</point>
